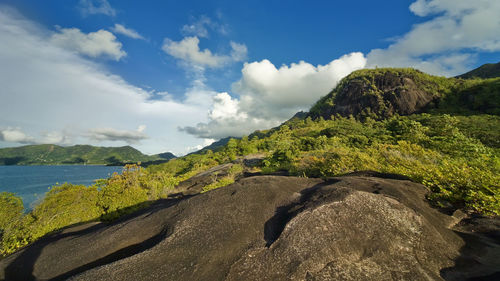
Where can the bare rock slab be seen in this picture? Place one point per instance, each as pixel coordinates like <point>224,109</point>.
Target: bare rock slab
<point>357,227</point>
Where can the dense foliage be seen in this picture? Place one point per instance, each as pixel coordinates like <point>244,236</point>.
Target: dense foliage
<point>49,154</point>
<point>11,209</point>
<point>456,156</point>
<point>434,150</point>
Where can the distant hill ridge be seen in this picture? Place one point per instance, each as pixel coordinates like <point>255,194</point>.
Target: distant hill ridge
<point>50,154</point>
<point>166,155</point>
<point>489,70</point>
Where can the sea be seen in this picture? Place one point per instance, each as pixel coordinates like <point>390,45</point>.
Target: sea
<point>32,182</point>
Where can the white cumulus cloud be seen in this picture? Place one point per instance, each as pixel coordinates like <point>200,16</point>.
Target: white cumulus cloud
<point>121,29</point>
<point>224,106</point>
<point>270,92</point>
<point>93,44</point>
<point>270,95</point>
<point>227,119</point>
<point>188,50</point>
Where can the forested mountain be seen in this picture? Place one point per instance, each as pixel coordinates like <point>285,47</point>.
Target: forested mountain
<point>50,154</point>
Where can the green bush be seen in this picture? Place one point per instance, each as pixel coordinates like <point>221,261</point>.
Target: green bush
<point>11,209</point>
<point>234,171</point>
<point>219,183</point>
<point>11,212</point>
<point>64,205</point>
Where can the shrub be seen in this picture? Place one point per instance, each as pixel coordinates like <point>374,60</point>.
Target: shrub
<point>11,209</point>
<point>234,171</point>
<point>122,193</point>
<point>219,183</point>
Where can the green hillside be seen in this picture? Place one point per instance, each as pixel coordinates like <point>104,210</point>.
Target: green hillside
<point>165,155</point>
<point>489,70</point>
<point>49,154</point>
<point>441,132</point>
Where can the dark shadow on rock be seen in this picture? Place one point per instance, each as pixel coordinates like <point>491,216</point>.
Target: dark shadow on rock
<point>479,258</point>
<point>118,255</point>
<point>276,224</point>
<point>492,277</point>
<point>377,175</point>
<point>251,174</point>
<point>22,267</point>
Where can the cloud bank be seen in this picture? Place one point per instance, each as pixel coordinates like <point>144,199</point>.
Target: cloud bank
<point>17,135</point>
<point>447,43</point>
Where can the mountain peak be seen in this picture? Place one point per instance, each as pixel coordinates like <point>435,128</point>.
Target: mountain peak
<point>380,93</point>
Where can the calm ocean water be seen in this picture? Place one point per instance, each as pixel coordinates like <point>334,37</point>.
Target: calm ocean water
<point>32,182</point>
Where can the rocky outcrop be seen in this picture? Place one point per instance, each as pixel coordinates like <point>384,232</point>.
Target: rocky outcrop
<point>379,94</point>
<point>195,184</point>
<point>357,227</point>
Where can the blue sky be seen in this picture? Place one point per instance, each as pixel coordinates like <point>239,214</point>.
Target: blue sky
<point>174,76</point>
<point>313,31</point>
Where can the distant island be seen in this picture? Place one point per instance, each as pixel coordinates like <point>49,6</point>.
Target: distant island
<point>51,154</point>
